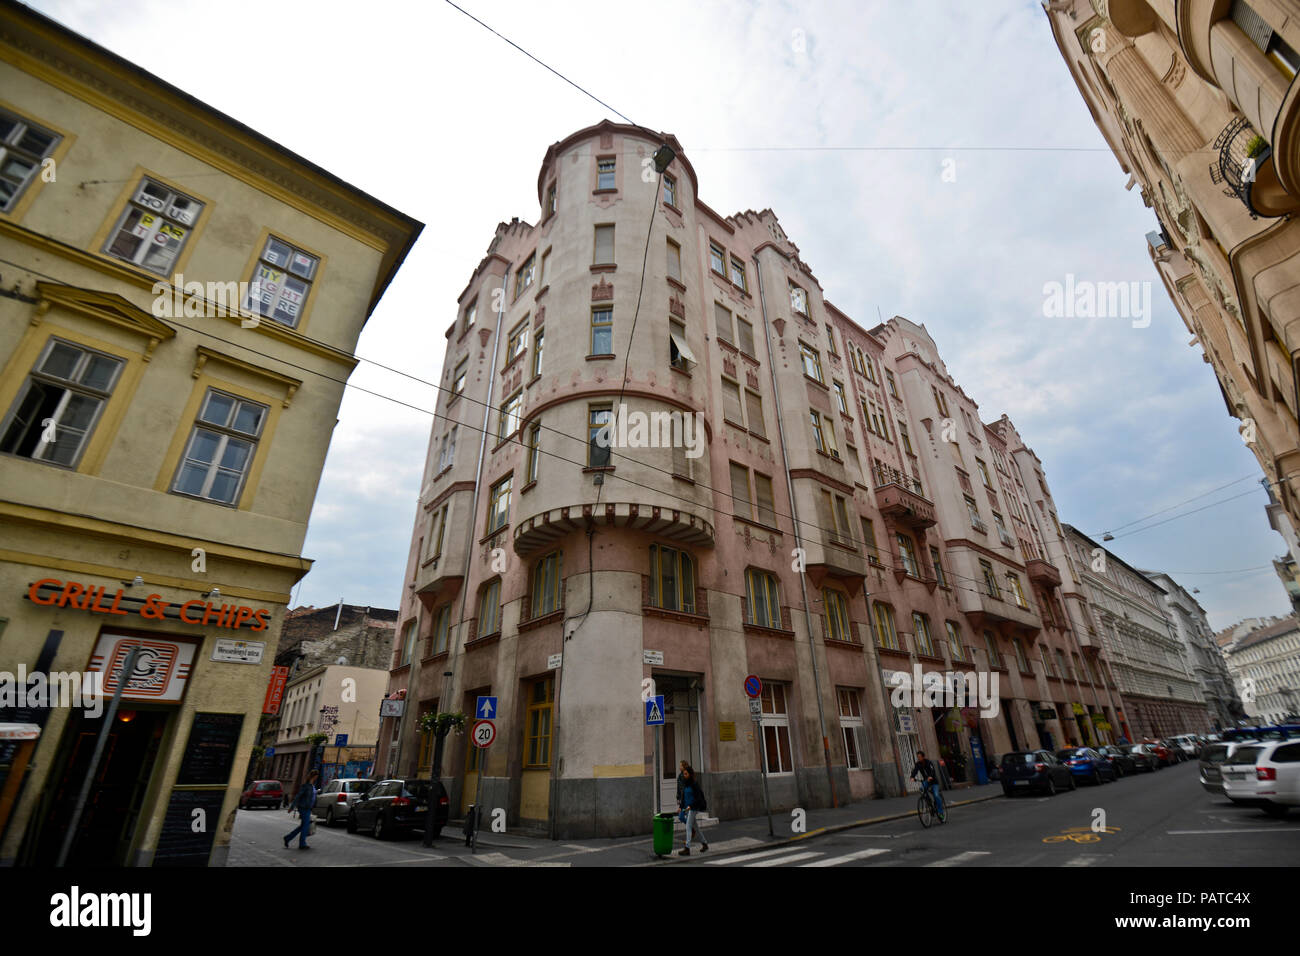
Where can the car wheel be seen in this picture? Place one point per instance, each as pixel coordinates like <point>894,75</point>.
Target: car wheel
<point>329,818</point>
<point>1051,785</point>
<point>1073,783</point>
<point>380,830</point>
<point>1096,777</point>
<point>352,822</point>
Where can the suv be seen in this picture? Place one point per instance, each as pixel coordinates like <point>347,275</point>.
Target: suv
<point>398,804</point>
<point>267,793</point>
<point>1266,774</point>
<point>1213,756</point>
<point>1026,770</point>
<point>334,802</point>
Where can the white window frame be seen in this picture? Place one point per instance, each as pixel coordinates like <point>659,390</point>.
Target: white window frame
<point>12,147</point>
<point>225,433</point>
<point>777,721</point>
<point>158,215</point>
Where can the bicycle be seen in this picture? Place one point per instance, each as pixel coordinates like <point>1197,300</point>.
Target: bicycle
<point>927,810</point>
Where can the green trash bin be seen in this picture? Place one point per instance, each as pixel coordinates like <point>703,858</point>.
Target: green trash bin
<point>663,833</point>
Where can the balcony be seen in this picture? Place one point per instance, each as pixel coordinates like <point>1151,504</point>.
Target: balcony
<point>835,556</point>
<point>538,530</point>
<point>1043,573</point>
<point>901,497</point>
<point>984,609</point>
<point>1245,166</point>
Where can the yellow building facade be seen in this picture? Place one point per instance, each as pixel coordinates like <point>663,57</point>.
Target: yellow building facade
<point>181,302</point>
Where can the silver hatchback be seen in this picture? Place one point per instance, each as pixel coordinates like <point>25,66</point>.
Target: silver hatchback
<point>337,797</point>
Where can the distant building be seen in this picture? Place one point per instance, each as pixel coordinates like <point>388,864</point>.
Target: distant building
<point>1265,664</point>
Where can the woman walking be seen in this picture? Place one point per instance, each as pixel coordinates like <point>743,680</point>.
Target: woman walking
<point>691,801</point>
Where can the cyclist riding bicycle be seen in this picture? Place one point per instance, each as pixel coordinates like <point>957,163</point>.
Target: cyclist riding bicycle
<point>929,779</point>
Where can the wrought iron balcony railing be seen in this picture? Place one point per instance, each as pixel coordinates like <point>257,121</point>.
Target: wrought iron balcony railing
<point>1241,152</point>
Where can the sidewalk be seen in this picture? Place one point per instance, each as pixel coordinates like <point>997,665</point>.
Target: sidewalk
<point>725,837</point>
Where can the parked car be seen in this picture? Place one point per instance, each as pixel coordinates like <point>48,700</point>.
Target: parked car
<point>394,805</point>
<point>1026,770</point>
<point>1120,759</point>
<point>1265,774</point>
<point>1188,744</point>
<point>336,799</point>
<point>1086,764</point>
<point>1165,755</point>
<point>264,793</point>
<point>1175,751</point>
<point>1145,759</point>
<point>1213,756</point>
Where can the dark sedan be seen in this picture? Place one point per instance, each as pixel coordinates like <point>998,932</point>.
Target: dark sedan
<point>393,806</point>
<point>1119,758</point>
<point>1086,764</point>
<point>1027,770</point>
<point>1144,758</point>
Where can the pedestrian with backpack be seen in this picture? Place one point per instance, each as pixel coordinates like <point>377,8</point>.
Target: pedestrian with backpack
<point>692,802</point>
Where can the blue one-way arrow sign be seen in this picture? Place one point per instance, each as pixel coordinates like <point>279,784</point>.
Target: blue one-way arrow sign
<point>486,708</point>
<point>654,711</point>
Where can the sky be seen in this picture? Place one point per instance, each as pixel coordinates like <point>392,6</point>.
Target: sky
<point>931,160</point>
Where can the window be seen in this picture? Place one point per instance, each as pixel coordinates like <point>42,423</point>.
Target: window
<point>679,354</point>
<point>1022,661</point>
<point>744,336</point>
<point>22,148</point>
<point>765,509</point>
<point>508,420</point>
<point>812,362</point>
<point>893,386</point>
<point>674,261</point>
<point>221,448</point>
<point>517,343</point>
<point>754,405</point>
<point>1019,593</point>
<point>672,579</point>
<point>940,402</point>
<point>598,437</point>
<point>991,645</point>
<point>602,331</point>
<point>281,282</point>
<point>973,512</point>
<point>776,730</point>
<point>837,615</point>
<point>870,365</point>
<point>408,642</point>
<point>546,268</point>
<point>722,323</point>
<point>990,580</point>
<point>904,440</point>
<point>605,173</point>
<point>499,505</point>
<point>798,299</point>
<point>550,200</point>
<point>833,516</point>
<point>954,640</point>
<point>731,403</point>
<point>441,628</point>
<point>670,190</point>
<point>1002,530</point>
<point>537,745</point>
<point>1060,664</point>
<point>886,633</point>
<point>604,246</point>
<point>938,567</point>
<point>869,540</point>
<point>458,378</point>
<point>819,438</point>
<point>849,699</point>
<point>839,395</point>
<point>154,227</point>
<point>546,585</point>
<point>984,473</point>
<point>447,453</point>
<point>435,540</point>
<point>534,456</point>
<point>471,314</point>
<point>60,403</point>
<point>924,644</point>
<point>762,599</point>
<point>524,277</point>
<point>717,259</point>
<point>537,352</point>
<point>738,274</point>
<point>489,609</point>
<point>907,552</point>
<point>740,500</point>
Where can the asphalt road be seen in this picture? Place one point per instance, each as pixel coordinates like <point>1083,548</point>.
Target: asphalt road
<point>1154,819</point>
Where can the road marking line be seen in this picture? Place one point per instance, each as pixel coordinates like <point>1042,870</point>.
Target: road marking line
<point>1086,859</point>
<point>752,856</point>
<point>1238,830</point>
<point>782,860</point>
<point>849,857</point>
<point>960,858</point>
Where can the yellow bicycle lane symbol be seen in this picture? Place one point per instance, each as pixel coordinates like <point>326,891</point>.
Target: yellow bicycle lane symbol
<point>1080,835</point>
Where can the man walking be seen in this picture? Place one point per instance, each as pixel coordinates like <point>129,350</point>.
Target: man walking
<point>303,803</point>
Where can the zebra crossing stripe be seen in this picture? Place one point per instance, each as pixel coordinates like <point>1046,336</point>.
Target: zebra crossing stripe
<point>848,857</point>
<point>782,860</point>
<point>753,856</point>
<point>960,858</point>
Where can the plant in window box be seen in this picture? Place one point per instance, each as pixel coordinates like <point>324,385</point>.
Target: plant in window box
<point>1256,146</point>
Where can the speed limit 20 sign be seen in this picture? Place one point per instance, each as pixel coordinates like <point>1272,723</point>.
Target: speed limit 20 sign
<point>484,733</point>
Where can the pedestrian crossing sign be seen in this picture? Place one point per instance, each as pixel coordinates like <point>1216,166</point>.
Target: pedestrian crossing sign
<point>654,711</point>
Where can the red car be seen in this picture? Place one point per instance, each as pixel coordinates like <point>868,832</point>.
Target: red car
<point>265,793</point>
<point>1166,755</point>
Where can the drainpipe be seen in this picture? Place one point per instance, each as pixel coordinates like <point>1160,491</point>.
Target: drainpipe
<point>798,538</point>
<point>454,644</point>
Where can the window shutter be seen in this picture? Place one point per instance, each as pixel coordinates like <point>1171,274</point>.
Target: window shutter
<point>763,498</point>
<point>731,402</point>
<point>722,321</point>
<point>754,402</point>
<point>740,491</point>
<point>745,333</point>
<point>604,244</point>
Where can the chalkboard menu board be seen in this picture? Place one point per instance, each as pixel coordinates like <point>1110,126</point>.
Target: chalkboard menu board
<point>186,838</point>
<point>210,751</point>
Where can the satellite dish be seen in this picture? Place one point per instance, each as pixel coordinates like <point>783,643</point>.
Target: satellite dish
<point>342,660</point>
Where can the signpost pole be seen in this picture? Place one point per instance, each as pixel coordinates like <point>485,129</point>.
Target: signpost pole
<point>128,668</point>
<point>762,750</point>
<point>655,777</point>
<point>478,795</point>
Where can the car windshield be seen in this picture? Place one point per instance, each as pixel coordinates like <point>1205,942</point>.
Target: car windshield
<point>1019,758</point>
<point>268,786</point>
<point>1245,755</point>
<point>359,786</point>
<point>417,788</point>
<point>1069,754</point>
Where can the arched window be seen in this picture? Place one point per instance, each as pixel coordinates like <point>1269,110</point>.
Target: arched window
<point>761,598</point>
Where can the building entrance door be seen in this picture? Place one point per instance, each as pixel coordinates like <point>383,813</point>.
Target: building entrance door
<point>680,735</point>
<point>905,731</point>
<point>112,810</point>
